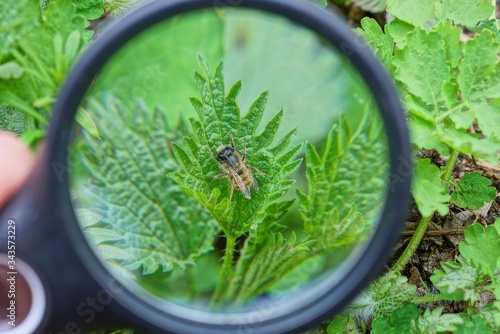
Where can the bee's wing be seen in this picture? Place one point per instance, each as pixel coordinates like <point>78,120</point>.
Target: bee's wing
<point>242,187</point>
<point>255,184</point>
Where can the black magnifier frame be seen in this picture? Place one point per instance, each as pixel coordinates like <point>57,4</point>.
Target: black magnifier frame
<point>58,250</point>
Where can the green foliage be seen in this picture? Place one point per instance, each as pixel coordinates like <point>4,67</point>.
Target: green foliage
<point>400,321</point>
<point>433,322</point>
<point>322,3</point>
<point>160,73</point>
<point>475,272</point>
<point>429,193</point>
<point>343,199</point>
<point>448,84</point>
<point>473,191</point>
<point>39,45</point>
<point>383,296</point>
<point>134,214</point>
<point>264,262</point>
<point>219,117</point>
<point>474,325</point>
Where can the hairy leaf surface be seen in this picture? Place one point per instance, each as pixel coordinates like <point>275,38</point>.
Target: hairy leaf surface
<point>146,222</point>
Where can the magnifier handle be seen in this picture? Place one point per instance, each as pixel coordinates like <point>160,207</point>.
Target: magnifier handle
<point>32,232</point>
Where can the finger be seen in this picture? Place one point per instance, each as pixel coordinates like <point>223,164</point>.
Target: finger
<point>16,162</point>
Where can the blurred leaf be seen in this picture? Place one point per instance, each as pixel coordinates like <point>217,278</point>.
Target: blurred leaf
<point>157,66</point>
<point>343,199</point>
<point>265,263</point>
<point>474,325</point>
<point>373,6</point>
<point>304,75</point>
<point>33,137</point>
<point>383,296</point>
<point>399,322</point>
<point>10,70</point>
<point>85,120</point>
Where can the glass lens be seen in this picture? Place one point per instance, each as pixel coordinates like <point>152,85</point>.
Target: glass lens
<point>225,158</point>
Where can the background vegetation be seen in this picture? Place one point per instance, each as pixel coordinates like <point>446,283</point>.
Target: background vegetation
<point>443,56</point>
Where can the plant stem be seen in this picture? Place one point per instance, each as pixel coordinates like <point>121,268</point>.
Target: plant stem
<point>448,170</point>
<point>226,269</point>
<point>426,299</point>
<point>412,246</point>
<point>424,222</point>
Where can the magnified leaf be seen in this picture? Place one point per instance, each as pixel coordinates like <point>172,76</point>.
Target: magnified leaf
<point>218,120</point>
<point>146,221</point>
<point>346,184</point>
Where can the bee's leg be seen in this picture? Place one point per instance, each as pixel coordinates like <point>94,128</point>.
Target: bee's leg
<point>231,192</point>
<point>258,171</point>
<point>220,176</point>
<point>232,140</point>
<point>211,154</point>
<point>244,148</point>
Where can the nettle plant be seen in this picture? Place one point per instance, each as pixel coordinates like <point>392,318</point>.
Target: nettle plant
<point>450,87</point>
<point>155,213</point>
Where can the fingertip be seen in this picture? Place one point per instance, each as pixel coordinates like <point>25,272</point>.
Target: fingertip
<point>16,162</point>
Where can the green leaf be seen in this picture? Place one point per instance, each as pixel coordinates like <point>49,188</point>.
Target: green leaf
<point>429,193</point>
<point>485,148</point>
<point>478,65</point>
<point>466,279</point>
<point>473,191</point>
<point>382,44</point>
<point>398,30</point>
<point>474,325</point>
<point>145,69</point>
<point>265,263</point>
<point>383,296</point>
<point>33,44</point>
<point>220,119</point>
<point>399,322</point>
<point>417,13</point>
<point>145,221</point>
<point>322,3</point>
<point>422,65</point>
<point>493,25</point>
<point>10,70</point>
<point>433,321</point>
<point>482,247</point>
<point>343,200</point>
<point>457,281</point>
<point>33,137</point>
<point>337,325</point>
<point>85,120</point>
<point>466,12</point>
<point>373,6</point>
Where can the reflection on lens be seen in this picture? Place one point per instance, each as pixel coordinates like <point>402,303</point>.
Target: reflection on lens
<point>248,181</point>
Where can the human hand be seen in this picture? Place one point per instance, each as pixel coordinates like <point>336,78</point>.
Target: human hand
<point>16,162</point>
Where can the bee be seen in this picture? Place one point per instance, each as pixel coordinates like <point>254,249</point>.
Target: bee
<point>232,162</point>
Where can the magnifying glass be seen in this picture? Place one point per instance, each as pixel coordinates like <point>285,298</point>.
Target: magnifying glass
<point>212,167</point>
